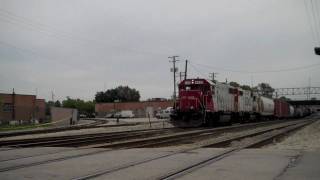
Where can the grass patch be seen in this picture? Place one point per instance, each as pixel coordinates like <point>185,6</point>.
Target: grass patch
<point>21,127</point>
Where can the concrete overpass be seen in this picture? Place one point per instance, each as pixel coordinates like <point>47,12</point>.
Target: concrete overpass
<point>305,102</point>
<point>312,104</point>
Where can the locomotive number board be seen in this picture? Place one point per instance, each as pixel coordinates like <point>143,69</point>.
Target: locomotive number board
<point>193,82</point>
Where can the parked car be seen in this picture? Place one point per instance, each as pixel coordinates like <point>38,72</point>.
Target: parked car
<point>124,114</point>
<point>92,115</point>
<point>158,114</point>
<point>162,114</point>
<point>110,115</point>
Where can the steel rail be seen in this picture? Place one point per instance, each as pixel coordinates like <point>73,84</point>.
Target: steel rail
<point>219,140</point>
<point>186,170</point>
<point>98,152</point>
<point>170,138</point>
<point>55,138</point>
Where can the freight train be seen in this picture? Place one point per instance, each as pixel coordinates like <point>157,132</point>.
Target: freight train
<point>203,102</point>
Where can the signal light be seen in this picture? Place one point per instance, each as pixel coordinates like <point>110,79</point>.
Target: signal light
<point>317,50</point>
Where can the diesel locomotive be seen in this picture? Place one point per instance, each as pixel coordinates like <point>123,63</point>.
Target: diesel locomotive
<point>204,102</point>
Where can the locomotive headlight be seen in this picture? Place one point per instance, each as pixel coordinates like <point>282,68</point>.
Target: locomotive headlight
<point>191,107</point>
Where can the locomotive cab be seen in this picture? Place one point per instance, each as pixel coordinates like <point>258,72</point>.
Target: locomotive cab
<point>195,95</point>
<point>194,100</point>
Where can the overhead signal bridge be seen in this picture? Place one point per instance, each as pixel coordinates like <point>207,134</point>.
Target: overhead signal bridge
<point>296,91</point>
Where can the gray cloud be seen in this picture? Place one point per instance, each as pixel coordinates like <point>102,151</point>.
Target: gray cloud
<point>79,47</point>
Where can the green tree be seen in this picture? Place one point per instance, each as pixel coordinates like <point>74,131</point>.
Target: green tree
<point>285,98</point>
<point>265,89</point>
<point>49,104</point>
<point>1,102</point>
<point>122,93</point>
<point>234,84</point>
<point>246,87</point>
<point>57,104</point>
<point>84,107</point>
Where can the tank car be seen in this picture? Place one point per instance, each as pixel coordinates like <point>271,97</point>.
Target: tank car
<point>263,107</point>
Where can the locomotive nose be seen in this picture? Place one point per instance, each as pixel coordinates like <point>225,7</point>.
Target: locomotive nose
<point>189,102</point>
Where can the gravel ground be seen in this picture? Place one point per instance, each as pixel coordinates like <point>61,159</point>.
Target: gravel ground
<point>307,139</point>
<point>85,121</point>
<point>132,120</point>
<point>222,136</point>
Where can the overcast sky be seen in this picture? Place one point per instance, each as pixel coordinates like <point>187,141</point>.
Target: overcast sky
<point>78,47</point>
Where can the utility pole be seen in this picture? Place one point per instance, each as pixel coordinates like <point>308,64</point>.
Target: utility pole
<point>181,75</point>
<point>186,70</point>
<point>309,89</point>
<point>52,96</point>
<point>13,105</point>
<point>213,75</point>
<point>174,78</point>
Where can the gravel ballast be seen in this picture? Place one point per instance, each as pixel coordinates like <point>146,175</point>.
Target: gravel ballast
<point>307,139</point>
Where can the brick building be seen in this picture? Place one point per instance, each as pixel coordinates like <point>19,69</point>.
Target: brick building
<point>40,109</point>
<point>64,116</point>
<point>21,107</point>
<point>139,109</point>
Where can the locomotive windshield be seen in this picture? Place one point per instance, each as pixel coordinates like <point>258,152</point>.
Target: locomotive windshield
<point>195,84</point>
<point>202,88</point>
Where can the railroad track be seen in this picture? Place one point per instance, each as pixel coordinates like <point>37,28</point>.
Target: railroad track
<point>51,130</point>
<point>258,138</point>
<point>63,157</point>
<point>97,124</point>
<point>107,140</point>
<point>180,137</point>
<point>77,140</point>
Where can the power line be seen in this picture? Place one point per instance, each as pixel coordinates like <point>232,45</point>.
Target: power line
<point>317,12</point>
<point>310,22</point>
<point>316,23</point>
<point>23,51</point>
<point>258,72</point>
<point>195,69</point>
<point>53,32</point>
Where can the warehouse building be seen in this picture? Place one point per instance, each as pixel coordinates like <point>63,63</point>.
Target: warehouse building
<point>21,108</point>
<point>139,109</point>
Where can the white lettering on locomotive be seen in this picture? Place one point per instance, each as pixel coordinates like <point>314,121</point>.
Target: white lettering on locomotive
<point>198,82</point>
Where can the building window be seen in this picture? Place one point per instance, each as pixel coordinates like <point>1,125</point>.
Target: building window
<point>7,107</point>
